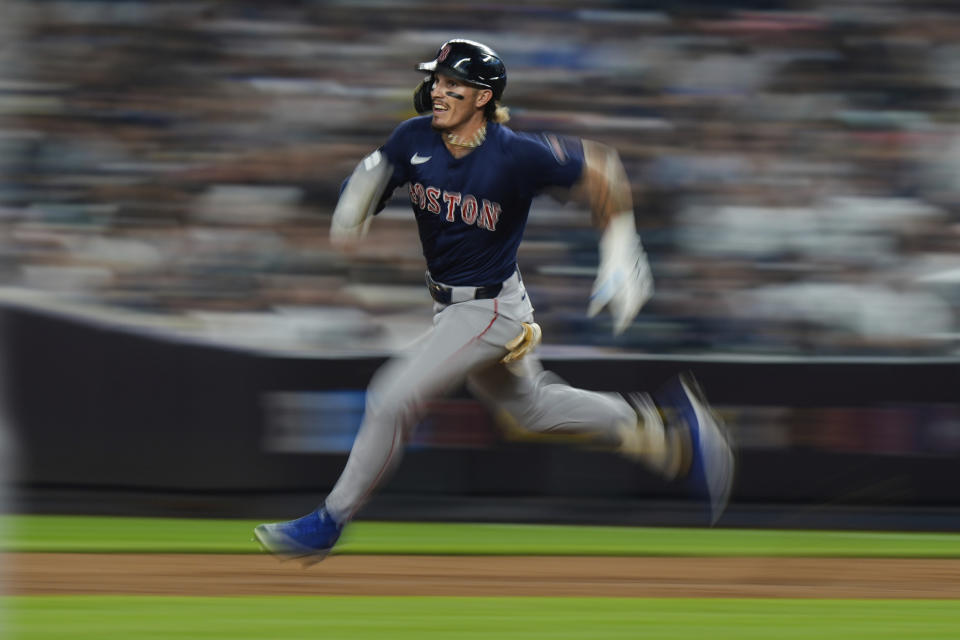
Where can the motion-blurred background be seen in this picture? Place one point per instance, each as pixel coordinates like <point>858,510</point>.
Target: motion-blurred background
<point>177,326</point>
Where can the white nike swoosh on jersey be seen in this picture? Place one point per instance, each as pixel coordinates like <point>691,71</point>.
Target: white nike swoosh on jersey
<point>418,159</point>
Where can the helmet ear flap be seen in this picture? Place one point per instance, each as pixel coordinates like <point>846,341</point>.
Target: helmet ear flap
<point>422,101</point>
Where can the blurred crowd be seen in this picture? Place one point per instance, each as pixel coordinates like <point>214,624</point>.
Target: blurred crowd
<point>794,166</point>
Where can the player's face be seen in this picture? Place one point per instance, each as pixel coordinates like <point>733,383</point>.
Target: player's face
<point>454,103</point>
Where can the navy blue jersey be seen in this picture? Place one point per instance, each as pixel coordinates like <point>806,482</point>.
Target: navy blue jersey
<point>471,211</point>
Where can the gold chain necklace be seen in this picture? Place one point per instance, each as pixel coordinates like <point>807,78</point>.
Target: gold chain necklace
<point>475,141</point>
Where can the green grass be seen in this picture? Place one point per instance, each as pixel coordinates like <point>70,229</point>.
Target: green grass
<point>416,617</point>
<point>397,618</point>
<point>157,535</point>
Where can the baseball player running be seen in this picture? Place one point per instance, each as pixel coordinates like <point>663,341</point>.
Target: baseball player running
<point>471,182</point>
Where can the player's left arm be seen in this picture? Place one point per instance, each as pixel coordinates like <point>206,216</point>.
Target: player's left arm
<point>624,280</point>
<point>603,185</point>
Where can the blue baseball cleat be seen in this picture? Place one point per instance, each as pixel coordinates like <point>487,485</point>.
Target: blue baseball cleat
<point>308,539</point>
<point>712,464</point>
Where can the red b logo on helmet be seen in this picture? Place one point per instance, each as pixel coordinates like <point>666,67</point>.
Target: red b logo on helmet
<point>443,53</point>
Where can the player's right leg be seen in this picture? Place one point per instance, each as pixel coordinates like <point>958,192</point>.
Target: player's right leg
<point>308,539</point>
<point>465,336</point>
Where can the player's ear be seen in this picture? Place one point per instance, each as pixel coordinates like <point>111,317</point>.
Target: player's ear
<point>483,97</point>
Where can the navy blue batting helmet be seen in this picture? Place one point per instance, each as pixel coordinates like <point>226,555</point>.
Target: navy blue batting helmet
<point>474,63</point>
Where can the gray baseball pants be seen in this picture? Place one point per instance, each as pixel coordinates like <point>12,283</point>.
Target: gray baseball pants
<point>465,345</point>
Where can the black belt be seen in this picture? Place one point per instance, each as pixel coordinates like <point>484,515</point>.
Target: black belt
<point>444,294</point>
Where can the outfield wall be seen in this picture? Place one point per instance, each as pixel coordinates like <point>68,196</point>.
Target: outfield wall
<point>96,406</point>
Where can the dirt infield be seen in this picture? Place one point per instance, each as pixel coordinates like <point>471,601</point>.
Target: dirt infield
<point>196,575</point>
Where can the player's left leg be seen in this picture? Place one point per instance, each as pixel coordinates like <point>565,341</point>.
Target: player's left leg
<point>526,398</point>
<point>691,442</point>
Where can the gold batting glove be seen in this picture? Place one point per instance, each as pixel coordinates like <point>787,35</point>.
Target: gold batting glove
<point>523,343</point>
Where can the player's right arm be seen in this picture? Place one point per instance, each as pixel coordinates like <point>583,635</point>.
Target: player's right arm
<point>368,188</point>
<point>361,197</point>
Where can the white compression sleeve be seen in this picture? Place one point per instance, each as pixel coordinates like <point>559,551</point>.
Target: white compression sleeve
<point>360,197</point>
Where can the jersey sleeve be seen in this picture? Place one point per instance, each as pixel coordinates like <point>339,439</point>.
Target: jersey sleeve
<point>394,151</point>
<point>550,160</point>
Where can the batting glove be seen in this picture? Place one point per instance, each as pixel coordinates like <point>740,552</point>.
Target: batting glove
<point>523,343</point>
<point>624,280</point>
